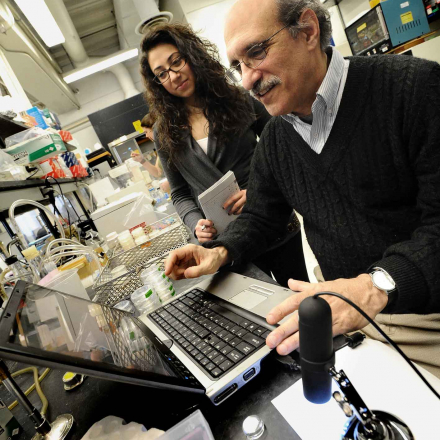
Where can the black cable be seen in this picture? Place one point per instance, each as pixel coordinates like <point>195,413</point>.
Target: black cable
<point>390,341</point>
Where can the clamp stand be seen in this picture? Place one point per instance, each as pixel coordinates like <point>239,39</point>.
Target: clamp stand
<point>365,424</point>
<point>55,431</point>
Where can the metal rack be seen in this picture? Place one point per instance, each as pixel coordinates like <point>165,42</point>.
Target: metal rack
<point>168,234</point>
<point>145,359</point>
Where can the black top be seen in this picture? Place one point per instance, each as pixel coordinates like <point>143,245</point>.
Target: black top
<point>371,198</point>
<point>193,171</point>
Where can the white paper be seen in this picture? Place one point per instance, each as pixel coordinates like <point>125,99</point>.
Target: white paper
<point>214,197</point>
<point>384,381</point>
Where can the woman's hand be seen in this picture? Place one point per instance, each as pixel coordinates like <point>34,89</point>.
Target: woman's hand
<point>137,156</point>
<point>237,201</point>
<point>205,230</point>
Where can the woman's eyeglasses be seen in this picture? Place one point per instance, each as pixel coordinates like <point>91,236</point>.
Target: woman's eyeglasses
<point>252,59</point>
<point>176,65</point>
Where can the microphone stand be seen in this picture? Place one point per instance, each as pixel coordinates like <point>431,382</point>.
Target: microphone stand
<point>365,424</point>
<point>55,431</point>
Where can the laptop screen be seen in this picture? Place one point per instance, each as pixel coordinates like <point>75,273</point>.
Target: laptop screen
<point>50,328</point>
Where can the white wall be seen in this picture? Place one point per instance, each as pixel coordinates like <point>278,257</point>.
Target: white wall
<point>352,9</point>
<point>210,21</point>
<point>97,92</point>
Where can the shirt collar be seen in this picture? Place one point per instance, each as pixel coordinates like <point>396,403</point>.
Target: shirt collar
<point>329,87</point>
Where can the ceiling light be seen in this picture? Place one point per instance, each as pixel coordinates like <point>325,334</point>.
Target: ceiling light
<point>103,64</point>
<point>38,14</point>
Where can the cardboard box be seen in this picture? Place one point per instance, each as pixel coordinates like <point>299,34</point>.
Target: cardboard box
<point>37,149</point>
<point>9,426</point>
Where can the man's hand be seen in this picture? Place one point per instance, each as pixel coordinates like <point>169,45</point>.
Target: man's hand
<point>193,261</point>
<point>345,318</point>
<point>205,230</point>
<point>237,201</point>
<point>137,156</point>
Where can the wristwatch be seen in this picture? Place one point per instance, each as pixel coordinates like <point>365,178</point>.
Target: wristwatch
<point>382,280</point>
<point>143,160</point>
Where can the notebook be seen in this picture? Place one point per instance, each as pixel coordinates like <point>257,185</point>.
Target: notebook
<point>214,197</point>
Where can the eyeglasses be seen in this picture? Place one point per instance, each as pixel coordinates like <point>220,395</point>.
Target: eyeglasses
<point>252,59</point>
<point>176,65</point>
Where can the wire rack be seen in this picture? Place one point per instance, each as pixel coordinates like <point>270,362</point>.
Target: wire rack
<point>143,357</point>
<point>170,234</point>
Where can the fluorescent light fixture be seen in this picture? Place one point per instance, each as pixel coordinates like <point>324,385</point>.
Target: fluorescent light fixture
<point>38,14</point>
<point>103,64</point>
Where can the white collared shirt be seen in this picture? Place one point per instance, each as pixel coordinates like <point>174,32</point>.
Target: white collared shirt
<point>326,105</point>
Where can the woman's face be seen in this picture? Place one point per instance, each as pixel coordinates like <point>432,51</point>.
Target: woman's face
<point>181,83</point>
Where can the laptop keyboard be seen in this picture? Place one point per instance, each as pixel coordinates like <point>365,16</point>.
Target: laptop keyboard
<point>216,338</point>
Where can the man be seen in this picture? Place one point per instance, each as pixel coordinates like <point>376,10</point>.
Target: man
<point>355,150</point>
<point>157,169</point>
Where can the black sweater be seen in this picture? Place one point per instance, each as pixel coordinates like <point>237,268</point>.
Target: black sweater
<point>372,197</point>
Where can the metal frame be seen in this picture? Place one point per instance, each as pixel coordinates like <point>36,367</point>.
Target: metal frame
<point>110,291</point>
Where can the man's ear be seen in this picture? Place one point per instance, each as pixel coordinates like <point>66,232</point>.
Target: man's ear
<point>311,30</point>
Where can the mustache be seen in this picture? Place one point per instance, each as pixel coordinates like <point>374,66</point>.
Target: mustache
<point>261,85</point>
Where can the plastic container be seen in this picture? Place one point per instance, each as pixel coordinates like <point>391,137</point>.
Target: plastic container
<point>141,240</point>
<point>112,240</point>
<point>126,306</point>
<point>194,427</point>
<point>145,299</point>
<point>126,240</point>
<point>34,259</point>
<point>138,232</point>
<point>67,281</point>
<point>113,427</point>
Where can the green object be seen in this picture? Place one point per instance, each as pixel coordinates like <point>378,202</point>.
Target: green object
<point>37,149</point>
<point>148,294</point>
<point>132,337</point>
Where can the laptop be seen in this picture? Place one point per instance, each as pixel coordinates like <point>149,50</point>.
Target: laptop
<point>209,339</point>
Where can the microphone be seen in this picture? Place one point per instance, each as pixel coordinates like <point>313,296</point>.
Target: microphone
<point>316,349</point>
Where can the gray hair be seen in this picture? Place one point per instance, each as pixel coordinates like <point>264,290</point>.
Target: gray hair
<point>289,12</point>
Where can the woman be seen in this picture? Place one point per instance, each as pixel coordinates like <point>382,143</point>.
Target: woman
<point>204,128</point>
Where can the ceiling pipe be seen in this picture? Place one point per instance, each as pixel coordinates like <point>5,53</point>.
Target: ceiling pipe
<point>78,54</point>
<point>123,76</point>
<point>150,15</point>
<point>73,44</point>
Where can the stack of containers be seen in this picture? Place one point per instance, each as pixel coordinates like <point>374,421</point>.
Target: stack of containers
<point>163,286</point>
<point>126,240</point>
<point>133,336</point>
<point>112,240</point>
<point>145,299</point>
<point>139,236</point>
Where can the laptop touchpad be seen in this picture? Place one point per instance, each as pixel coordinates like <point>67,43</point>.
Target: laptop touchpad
<point>247,299</point>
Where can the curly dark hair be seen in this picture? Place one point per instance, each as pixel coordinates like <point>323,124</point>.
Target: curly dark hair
<point>224,106</point>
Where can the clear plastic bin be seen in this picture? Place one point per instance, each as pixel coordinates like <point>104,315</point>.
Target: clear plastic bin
<point>194,427</point>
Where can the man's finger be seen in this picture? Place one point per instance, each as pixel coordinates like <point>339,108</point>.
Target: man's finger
<point>298,286</point>
<point>287,307</point>
<point>288,345</point>
<point>283,331</point>
<point>177,257</point>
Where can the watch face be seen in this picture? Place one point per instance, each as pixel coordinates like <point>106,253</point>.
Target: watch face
<point>383,281</point>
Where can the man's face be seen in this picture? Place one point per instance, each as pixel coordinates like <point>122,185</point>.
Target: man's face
<point>282,81</point>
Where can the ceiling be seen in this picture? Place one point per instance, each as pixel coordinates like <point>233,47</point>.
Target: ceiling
<point>96,25</point>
